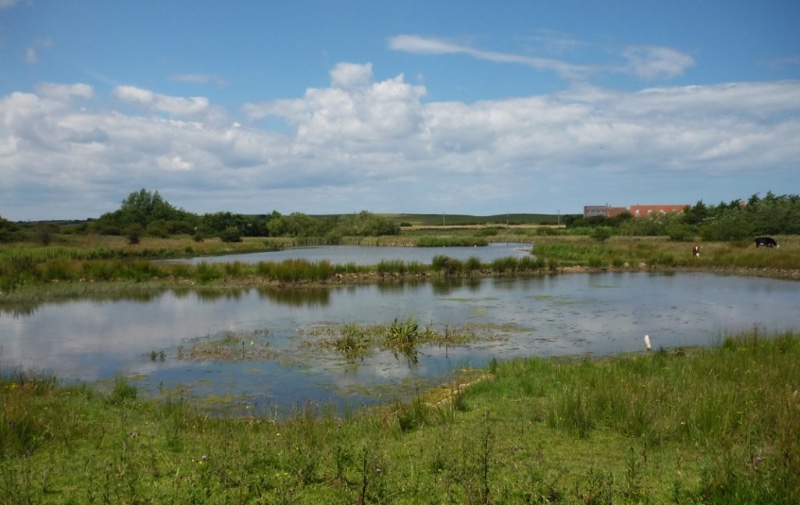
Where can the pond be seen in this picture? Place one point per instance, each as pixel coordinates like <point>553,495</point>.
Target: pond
<point>363,255</point>
<point>265,333</point>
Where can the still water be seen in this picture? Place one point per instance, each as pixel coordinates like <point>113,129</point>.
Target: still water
<point>598,313</point>
<point>362,255</point>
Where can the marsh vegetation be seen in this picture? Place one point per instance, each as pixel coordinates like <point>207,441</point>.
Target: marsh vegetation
<point>715,425</point>
<point>711,425</point>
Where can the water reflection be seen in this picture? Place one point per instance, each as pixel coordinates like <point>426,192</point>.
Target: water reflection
<point>372,255</point>
<point>296,297</point>
<point>97,337</point>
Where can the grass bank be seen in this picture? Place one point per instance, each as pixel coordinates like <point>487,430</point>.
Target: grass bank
<point>86,265</point>
<point>717,425</point>
<point>636,252</point>
<point>26,278</point>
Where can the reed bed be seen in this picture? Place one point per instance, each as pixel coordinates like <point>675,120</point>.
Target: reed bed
<point>25,272</point>
<point>716,425</point>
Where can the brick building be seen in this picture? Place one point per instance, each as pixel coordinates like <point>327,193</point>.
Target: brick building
<point>602,211</point>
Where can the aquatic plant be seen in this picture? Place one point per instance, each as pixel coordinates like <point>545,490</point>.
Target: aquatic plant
<point>662,427</point>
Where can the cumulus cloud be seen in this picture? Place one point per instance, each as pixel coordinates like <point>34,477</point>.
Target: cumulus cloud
<point>378,144</point>
<point>350,75</point>
<point>353,110</point>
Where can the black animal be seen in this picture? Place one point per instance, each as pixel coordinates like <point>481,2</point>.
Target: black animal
<point>766,241</point>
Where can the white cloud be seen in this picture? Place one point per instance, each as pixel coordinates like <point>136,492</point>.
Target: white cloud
<point>378,144</point>
<point>655,62</point>
<point>351,75</point>
<point>32,54</point>
<point>428,45</point>
<point>354,109</point>
<point>65,92</point>
<point>646,62</point>
<point>134,94</point>
<point>173,164</point>
<point>178,106</point>
<point>786,62</point>
<point>198,78</point>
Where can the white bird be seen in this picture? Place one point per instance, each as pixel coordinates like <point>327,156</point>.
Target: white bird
<point>647,341</point>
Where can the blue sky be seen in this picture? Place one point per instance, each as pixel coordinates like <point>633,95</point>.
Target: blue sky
<point>418,106</point>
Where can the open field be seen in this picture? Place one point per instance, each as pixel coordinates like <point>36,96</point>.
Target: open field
<point>719,425</point>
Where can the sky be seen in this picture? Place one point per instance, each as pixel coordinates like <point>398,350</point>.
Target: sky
<point>420,106</point>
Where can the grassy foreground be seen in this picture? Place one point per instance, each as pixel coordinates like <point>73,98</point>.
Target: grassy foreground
<point>717,425</point>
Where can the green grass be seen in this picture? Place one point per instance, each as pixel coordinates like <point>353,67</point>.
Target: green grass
<point>718,425</point>
<point>660,252</point>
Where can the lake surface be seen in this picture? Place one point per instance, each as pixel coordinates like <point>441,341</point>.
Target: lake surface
<point>599,313</point>
<point>363,255</point>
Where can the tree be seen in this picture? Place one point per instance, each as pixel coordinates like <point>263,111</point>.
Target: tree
<point>141,207</point>
<point>696,214</point>
<point>8,230</point>
<point>44,232</point>
<point>230,235</point>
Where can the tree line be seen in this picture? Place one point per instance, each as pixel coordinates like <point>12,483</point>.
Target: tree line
<point>734,220</point>
<point>146,213</point>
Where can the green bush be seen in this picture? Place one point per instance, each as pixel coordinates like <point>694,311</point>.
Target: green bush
<point>134,233</point>
<point>230,235</point>
<point>602,233</point>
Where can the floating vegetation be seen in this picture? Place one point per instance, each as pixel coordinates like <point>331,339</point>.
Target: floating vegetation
<point>355,341</point>
<point>229,346</point>
<point>157,355</point>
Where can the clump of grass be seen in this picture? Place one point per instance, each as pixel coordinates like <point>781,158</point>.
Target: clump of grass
<point>447,265</point>
<point>207,272</point>
<point>297,270</point>
<point>395,266</point>
<point>353,342</point>
<point>402,336</point>
<point>450,241</point>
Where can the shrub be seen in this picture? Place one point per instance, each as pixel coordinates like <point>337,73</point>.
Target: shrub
<point>134,233</point>
<point>230,234</point>
<point>602,233</point>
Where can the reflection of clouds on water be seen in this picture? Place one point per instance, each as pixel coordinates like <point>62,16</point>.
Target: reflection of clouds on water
<point>537,316</point>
